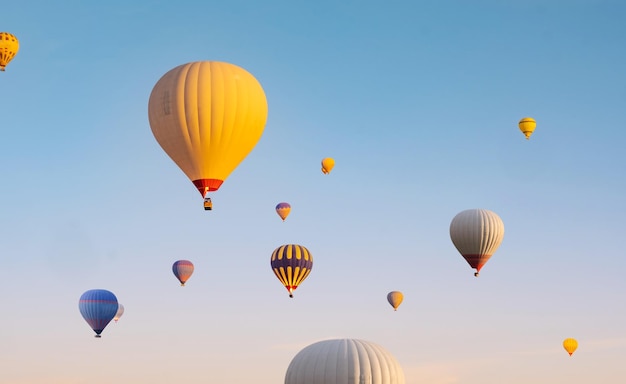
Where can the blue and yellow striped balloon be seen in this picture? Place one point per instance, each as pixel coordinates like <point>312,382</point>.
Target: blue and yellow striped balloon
<point>291,264</point>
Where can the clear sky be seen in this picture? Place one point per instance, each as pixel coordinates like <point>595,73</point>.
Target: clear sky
<point>417,101</point>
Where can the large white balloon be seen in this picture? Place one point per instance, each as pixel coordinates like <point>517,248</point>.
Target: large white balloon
<point>344,361</point>
<point>476,234</point>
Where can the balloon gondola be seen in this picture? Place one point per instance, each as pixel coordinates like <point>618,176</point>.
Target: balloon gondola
<point>208,204</point>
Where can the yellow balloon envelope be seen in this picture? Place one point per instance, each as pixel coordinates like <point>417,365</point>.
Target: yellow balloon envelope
<point>527,126</point>
<point>9,45</point>
<point>570,345</point>
<point>395,299</point>
<point>207,116</point>
<point>327,165</point>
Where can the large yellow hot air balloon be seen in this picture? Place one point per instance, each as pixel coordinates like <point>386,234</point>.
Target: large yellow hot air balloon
<point>527,126</point>
<point>9,45</point>
<point>327,165</point>
<point>395,299</point>
<point>207,116</point>
<point>476,234</point>
<point>570,345</point>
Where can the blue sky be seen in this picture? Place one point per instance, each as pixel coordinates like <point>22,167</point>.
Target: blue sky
<point>417,103</point>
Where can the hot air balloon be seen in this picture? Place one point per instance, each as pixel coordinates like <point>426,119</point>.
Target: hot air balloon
<point>98,307</point>
<point>395,299</point>
<point>207,116</point>
<point>119,313</point>
<point>477,234</point>
<point>570,345</point>
<point>182,270</point>
<point>344,361</point>
<point>527,126</point>
<point>9,45</point>
<point>283,210</point>
<point>327,165</point>
<point>291,264</point>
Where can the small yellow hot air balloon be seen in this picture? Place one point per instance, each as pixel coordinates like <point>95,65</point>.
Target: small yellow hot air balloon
<point>9,45</point>
<point>527,126</point>
<point>570,345</point>
<point>327,165</point>
<point>395,299</point>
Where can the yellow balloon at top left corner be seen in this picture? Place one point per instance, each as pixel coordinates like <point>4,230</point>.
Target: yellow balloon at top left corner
<point>9,45</point>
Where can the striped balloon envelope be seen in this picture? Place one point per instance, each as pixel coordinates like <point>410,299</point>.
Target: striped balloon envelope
<point>291,264</point>
<point>344,361</point>
<point>283,209</point>
<point>477,234</point>
<point>182,270</point>
<point>98,307</point>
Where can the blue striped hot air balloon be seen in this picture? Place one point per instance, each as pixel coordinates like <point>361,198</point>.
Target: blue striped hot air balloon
<point>291,264</point>
<point>98,307</point>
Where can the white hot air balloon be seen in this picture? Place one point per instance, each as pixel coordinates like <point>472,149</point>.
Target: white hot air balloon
<point>344,361</point>
<point>120,312</point>
<point>477,234</point>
